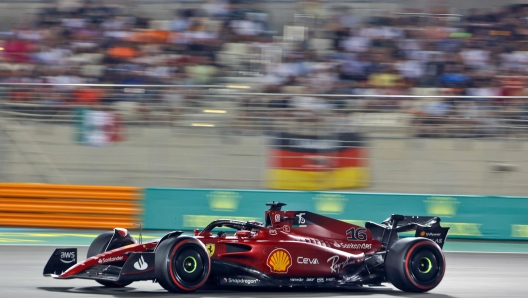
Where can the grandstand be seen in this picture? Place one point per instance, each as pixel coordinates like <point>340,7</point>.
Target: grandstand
<point>198,90</point>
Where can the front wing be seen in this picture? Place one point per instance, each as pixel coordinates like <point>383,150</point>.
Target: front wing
<point>138,266</point>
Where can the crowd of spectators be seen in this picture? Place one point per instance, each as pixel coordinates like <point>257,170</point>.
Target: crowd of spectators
<point>483,53</point>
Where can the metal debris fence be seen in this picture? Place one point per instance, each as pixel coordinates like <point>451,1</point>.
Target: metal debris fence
<point>218,136</point>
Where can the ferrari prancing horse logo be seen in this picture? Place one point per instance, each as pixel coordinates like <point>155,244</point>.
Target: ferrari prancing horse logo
<point>210,249</point>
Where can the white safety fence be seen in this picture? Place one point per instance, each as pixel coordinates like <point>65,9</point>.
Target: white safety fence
<point>219,137</point>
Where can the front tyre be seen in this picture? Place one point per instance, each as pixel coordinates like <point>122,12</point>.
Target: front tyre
<point>98,246</point>
<point>415,265</point>
<point>182,264</point>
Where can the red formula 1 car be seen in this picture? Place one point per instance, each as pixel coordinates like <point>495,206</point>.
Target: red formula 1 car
<point>292,248</point>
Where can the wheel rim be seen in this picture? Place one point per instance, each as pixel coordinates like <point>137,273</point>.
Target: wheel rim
<point>189,266</point>
<point>425,266</point>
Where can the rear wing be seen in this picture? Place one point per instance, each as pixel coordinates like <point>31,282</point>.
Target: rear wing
<point>405,220</point>
<point>425,226</point>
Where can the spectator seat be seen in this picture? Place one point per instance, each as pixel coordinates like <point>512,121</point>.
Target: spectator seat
<point>160,25</point>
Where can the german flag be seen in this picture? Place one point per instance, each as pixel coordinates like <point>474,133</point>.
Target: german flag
<point>301,162</point>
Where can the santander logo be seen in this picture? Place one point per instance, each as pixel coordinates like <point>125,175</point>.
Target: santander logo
<point>141,264</point>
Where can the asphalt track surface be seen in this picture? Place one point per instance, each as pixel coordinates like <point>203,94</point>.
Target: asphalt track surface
<point>467,275</point>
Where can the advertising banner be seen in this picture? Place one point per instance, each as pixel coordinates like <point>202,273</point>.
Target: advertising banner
<point>309,162</point>
<point>470,217</point>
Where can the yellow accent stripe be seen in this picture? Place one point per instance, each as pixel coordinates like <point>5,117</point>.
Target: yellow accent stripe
<point>18,240</point>
<point>306,180</point>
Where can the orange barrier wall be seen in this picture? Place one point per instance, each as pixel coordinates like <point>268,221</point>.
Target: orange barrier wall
<point>69,206</point>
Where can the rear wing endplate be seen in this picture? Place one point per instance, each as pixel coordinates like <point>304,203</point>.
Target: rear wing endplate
<point>425,226</point>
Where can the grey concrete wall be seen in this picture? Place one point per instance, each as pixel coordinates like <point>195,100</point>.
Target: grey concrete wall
<point>185,157</point>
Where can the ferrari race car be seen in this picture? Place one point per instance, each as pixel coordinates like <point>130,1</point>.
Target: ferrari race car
<point>290,249</point>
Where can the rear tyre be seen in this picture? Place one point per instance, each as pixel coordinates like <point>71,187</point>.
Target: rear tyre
<point>182,264</point>
<point>98,246</point>
<point>415,265</point>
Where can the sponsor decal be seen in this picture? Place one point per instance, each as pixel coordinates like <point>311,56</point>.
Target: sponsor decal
<point>297,279</point>
<point>437,234</point>
<point>273,232</point>
<point>239,281</point>
<point>320,279</point>
<point>356,234</point>
<point>277,218</point>
<point>438,241</point>
<point>310,279</point>
<point>110,260</point>
<point>330,279</point>
<point>210,249</point>
<point>141,264</point>
<point>279,261</point>
<point>353,245</point>
<point>67,257</point>
<point>336,264</point>
<point>307,261</point>
<point>300,220</point>
<point>286,229</point>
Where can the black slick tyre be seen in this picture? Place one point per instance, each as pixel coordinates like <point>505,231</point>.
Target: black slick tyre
<point>182,264</point>
<point>415,265</point>
<point>98,246</point>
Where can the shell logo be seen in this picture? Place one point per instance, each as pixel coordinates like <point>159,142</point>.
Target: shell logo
<point>279,261</point>
<point>422,233</point>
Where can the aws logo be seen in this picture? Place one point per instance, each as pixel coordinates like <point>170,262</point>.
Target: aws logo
<point>329,203</point>
<point>279,261</point>
<point>442,206</point>
<point>220,200</point>
<point>67,256</point>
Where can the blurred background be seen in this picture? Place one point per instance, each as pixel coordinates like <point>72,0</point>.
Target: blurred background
<point>395,96</point>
